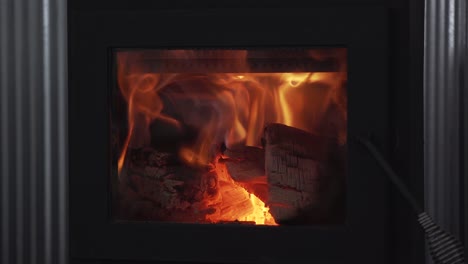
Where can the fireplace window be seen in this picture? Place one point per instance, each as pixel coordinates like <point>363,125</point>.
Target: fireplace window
<point>229,136</point>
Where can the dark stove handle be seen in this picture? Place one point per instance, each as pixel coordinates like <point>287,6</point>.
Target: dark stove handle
<point>443,247</point>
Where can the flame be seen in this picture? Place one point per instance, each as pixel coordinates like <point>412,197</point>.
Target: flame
<point>236,203</point>
<point>121,160</point>
<point>228,108</point>
<point>290,81</point>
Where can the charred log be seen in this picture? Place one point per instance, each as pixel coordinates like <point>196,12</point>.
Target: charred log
<point>304,184</point>
<point>246,165</point>
<point>158,186</point>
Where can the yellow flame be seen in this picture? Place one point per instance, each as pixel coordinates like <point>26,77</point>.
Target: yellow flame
<point>290,80</point>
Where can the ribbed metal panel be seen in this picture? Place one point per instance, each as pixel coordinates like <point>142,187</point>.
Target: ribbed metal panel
<point>465,132</point>
<point>463,14</point>
<point>33,159</point>
<point>443,91</point>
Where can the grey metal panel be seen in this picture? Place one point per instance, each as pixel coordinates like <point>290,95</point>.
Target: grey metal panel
<point>445,57</point>
<point>462,13</point>
<point>33,132</point>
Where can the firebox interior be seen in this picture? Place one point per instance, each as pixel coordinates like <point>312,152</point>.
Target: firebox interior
<point>240,136</point>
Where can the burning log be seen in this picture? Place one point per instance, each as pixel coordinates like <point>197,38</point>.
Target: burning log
<point>303,186</point>
<point>158,186</point>
<point>169,190</point>
<point>246,165</point>
<point>235,204</point>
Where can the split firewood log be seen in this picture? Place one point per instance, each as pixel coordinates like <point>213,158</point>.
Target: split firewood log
<point>246,165</point>
<point>303,183</point>
<point>235,203</point>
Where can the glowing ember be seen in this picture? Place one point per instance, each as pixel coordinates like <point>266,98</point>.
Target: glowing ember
<point>261,214</point>
<point>236,203</point>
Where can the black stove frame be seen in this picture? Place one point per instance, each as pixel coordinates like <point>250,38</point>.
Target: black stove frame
<point>93,235</point>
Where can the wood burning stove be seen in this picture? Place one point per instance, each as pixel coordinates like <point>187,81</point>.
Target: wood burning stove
<point>215,135</point>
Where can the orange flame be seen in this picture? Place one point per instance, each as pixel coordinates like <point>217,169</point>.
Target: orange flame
<point>230,108</point>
